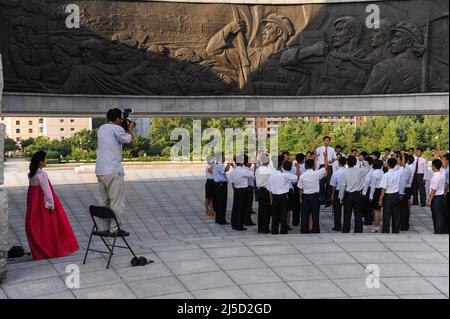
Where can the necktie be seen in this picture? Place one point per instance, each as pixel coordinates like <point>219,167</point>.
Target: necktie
<point>417,165</point>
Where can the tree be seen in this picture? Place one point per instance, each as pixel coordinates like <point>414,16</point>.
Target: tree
<point>10,145</point>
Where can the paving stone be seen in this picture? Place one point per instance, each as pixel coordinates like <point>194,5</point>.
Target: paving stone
<point>318,248</point>
<point>411,286</point>
<point>428,270</point>
<point>118,291</point>
<point>270,291</point>
<point>156,287</point>
<point>154,270</point>
<point>221,293</point>
<point>274,250</point>
<point>207,280</point>
<point>64,295</point>
<point>330,258</point>
<point>35,288</point>
<point>181,295</point>
<point>358,288</point>
<point>193,266</point>
<point>235,263</point>
<point>30,274</point>
<point>229,252</point>
<point>253,276</point>
<point>299,273</point>
<point>376,257</point>
<point>440,283</point>
<point>422,257</point>
<point>286,260</point>
<point>316,289</point>
<point>363,247</point>
<point>409,247</point>
<point>343,271</point>
<point>439,296</point>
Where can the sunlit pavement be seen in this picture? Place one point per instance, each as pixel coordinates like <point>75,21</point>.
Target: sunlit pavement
<point>195,258</point>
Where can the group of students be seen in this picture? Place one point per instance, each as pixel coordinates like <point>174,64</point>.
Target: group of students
<point>375,189</point>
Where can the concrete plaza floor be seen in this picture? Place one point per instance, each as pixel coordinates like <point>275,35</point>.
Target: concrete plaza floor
<point>195,258</point>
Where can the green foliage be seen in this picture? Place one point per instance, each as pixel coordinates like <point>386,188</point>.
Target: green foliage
<point>10,145</point>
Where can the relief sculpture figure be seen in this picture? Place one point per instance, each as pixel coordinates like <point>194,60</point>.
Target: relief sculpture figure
<point>403,72</point>
<point>347,66</point>
<point>197,76</point>
<point>380,41</point>
<point>157,73</point>
<point>94,76</point>
<point>267,74</point>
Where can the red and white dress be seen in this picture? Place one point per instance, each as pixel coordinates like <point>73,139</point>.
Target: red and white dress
<point>49,234</point>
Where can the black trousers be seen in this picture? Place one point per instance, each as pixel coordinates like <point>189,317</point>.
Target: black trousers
<point>446,217</point>
<point>404,211</point>
<point>220,201</point>
<point>279,214</point>
<point>352,205</point>
<point>310,207</point>
<point>241,206</point>
<point>438,214</point>
<point>248,212</point>
<point>264,211</point>
<point>418,190</point>
<point>366,208</point>
<point>325,188</point>
<point>296,207</point>
<point>391,211</point>
<point>337,211</point>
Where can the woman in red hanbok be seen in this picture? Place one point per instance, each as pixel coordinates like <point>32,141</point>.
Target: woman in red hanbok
<point>48,230</point>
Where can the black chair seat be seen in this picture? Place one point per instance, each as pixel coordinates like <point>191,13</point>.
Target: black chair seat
<point>108,234</point>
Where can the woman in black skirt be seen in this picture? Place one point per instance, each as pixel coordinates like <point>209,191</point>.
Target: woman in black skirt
<point>375,192</point>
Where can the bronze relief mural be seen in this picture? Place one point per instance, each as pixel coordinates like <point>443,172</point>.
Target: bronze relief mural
<point>187,49</point>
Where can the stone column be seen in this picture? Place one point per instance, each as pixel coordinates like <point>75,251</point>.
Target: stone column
<point>4,240</point>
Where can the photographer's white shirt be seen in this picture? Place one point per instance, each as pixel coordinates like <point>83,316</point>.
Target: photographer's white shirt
<point>111,137</point>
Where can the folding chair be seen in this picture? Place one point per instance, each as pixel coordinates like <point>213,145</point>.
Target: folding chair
<point>106,213</point>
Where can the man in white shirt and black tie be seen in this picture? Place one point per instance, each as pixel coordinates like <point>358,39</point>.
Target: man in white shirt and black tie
<point>309,186</point>
<point>240,179</point>
<point>335,183</point>
<point>436,198</point>
<point>390,198</point>
<point>278,185</point>
<point>418,184</point>
<point>325,189</point>
<point>262,175</point>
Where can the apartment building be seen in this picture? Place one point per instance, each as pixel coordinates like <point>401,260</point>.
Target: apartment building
<point>22,128</point>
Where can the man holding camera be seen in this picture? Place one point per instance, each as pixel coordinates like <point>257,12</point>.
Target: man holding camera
<point>108,168</point>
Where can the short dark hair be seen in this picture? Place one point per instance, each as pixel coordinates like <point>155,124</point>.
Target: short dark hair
<point>309,163</point>
<point>338,146</point>
<point>354,150</point>
<point>377,154</point>
<point>387,149</point>
<point>342,161</point>
<point>410,159</point>
<point>351,161</point>
<point>326,137</point>
<point>437,163</point>
<point>113,114</point>
<point>392,162</point>
<point>419,149</point>
<point>280,161</point>
<point>446,156</point>
<point>287,166</point>
<point>364,154</point>
<point>377,164</point>
<point>411,149</point>
<point>369,160</point>
<point>300,157</point>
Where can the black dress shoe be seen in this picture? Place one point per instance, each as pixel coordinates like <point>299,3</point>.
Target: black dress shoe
<point>223,223</point>
<point>289,228</point>
<point>241,229</point>
<point>253,213</point>
<point>336,229</point>
<point>250,224</point>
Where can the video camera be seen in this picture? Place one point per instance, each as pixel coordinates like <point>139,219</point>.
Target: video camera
<point>126,121</point>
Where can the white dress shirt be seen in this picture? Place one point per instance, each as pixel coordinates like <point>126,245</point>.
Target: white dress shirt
<point>411,174</point>
<point>321,154</point>
<point>220,176</point>
<point>390,181</point>
<point>336,178</point>
<point>366,181</point>
<point>208,174</point>
<point>422,165</point>
<point>438,183</point>
<point>279,182</point>
<point>111,137</point>
<point>240,177</point>
<point>262,175</point>
<point>375,180</point>
<point>309,181</point>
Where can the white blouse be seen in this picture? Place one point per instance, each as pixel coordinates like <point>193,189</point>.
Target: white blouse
<point>41,179</point>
